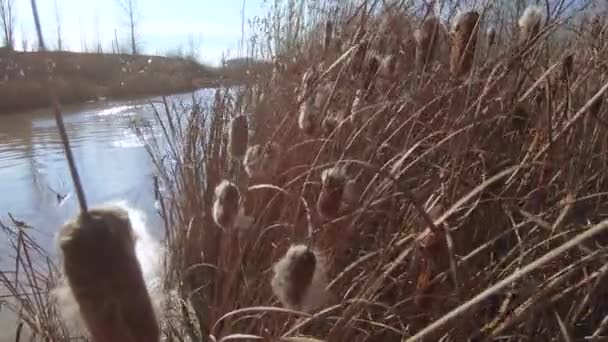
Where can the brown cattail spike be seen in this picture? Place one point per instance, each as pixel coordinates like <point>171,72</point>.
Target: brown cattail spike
<point>226,205</point>
<point>307,117</point>
<point>567,66</point>
<point>597,26</point>
<point>239,137</point>
<point>299,279</point>
<point>371,69</point>
<point>329,30</point>
<point>427,41</point>
<point>262,160</point>
<point>332,191</point>
<point>529,23</point>
<point>464,42</point>
<point>491,36</point>
<point>105,277</point>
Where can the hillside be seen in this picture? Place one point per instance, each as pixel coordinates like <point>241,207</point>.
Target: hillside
<point>81,77</point>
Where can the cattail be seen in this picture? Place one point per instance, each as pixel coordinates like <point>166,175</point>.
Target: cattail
<point>356,107</point>
<point>330,199</point>
<point>300,280</point>
<point>239,136</point>
<point>329,125</point>
<point>308,78</point>
<point>322,95</point>
<point>359,56</point>
<point>352,191</point>
<point>371,69</point>
<point>427,41</point>
<point>105,277</point>
<point>491,36</point>
<point>329,29</point>
<point>262,160</point>
<point>567,66</point>
<point>529,23</point>
<point>388,66</point>
<point>307,117</point>
<point>227,204</point>
<point>464,42</point>
<point>597,26</point>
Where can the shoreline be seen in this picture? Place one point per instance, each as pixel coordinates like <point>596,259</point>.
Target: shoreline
<point>83,77</point>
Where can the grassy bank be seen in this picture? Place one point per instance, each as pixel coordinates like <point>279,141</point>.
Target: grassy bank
<point>450,189</point>
<point>81,77</point>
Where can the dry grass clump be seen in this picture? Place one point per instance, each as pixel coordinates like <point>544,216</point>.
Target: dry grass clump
<point>475,209</point>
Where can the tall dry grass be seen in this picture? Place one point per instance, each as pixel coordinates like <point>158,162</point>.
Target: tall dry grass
<point>476,200</point>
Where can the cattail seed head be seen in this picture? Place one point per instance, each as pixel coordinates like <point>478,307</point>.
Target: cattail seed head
<point>330,200</point>
<point>597,26</point>
<point>227,204</point>
<point>464,42</point>
<point>329,125</point>
<point>262,160</point>
<point>322,95</point>
<point>491,36</point>
<point>388,66</point>
<point>239,136</point>
<point>567,66</point>
<point>105,277</point>
<point>329,29</point>
<point>356,107</point>
<point>299,279</point>
<point>308,117</point>
<point>428,38</point>
<point>530,22</point>
<point>308,78</point>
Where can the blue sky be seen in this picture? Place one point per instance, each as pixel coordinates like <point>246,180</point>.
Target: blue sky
<point>214,25</point>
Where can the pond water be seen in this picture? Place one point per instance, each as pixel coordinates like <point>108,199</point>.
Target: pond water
<point>114,166</point>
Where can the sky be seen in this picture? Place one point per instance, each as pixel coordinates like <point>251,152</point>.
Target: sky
<point>163,25</point>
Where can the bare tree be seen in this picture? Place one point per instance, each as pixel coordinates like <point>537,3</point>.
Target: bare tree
<point>7,19</point>
<point>58,23</point>
<point>129,8</point>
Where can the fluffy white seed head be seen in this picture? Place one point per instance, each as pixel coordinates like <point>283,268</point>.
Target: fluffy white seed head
<point>262,160</point>
<point>529,22</point>
<point>226,205</point>
<point>300,279</point>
